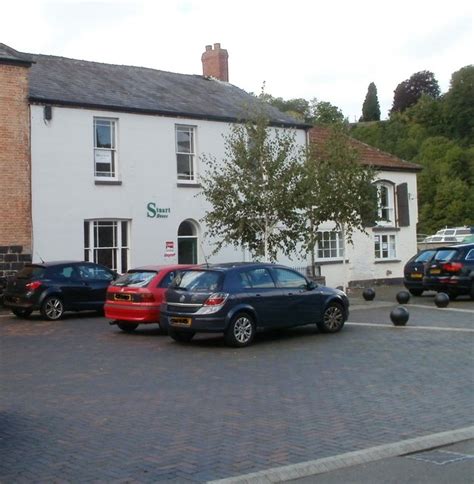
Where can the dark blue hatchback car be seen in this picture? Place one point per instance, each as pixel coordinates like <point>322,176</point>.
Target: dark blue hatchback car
<point>239,299</point>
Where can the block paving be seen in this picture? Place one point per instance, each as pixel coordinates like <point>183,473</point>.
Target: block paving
<point>81,401</point>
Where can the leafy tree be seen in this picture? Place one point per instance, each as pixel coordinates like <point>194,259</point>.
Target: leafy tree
<point>337,187</point>
<point>371,107</point>
<point>459,105</point>
<point>324,113</point>
<point>251,191</point>
<point>298,107</point>
<point>409,91</point>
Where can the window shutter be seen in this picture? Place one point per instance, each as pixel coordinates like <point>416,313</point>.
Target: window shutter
<point>402,205</point>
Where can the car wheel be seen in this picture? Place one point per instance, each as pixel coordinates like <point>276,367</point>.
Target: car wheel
<point>21,313</point>
<point>127,327</point>
<point>181,336</point>
<point>241,330</point>
<point>416,292</point>
<point>52,308</point>
<point>452,295</point>
<point>333,319</point>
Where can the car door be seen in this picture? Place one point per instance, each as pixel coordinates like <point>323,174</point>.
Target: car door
<point>70,285</point>
<point>259,290</point>
<point>299,306</point>
<point>96,279</point>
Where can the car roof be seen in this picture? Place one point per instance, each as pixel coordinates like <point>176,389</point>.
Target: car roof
<point>58,263</point>
<point>457,246</point>
<point>161,267</point>
<point>226,266</point>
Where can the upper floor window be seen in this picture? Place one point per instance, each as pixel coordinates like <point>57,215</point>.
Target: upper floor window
<point>105,148</point>
<point>329,245</point>
<point>185,152</point>
<point>386,203</point>
<point>385,246</point>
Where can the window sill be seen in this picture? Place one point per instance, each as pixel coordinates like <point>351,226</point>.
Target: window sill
<point>385,228</point>
<point>327,262</point>
<point>188,185</point>
<point>386,261</point>
<point>107,182</point>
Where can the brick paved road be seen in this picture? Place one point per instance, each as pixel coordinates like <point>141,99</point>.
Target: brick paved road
<point>81,401</point>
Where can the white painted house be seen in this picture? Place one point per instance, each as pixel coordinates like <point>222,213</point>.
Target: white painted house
<point>115,163</point>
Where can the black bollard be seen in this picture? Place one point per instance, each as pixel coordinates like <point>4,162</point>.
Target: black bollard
<point>399,316</point>
<point>368,294</point>
<point>403,297</point>
<point>441,299</point>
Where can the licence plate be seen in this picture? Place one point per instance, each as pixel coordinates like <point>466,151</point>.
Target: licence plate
<point>180,321</point>
<point>435,271</point>
<point>416,275</point>
<point>122,297</point>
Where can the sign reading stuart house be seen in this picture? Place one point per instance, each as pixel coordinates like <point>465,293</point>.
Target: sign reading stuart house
<point>153,211</point>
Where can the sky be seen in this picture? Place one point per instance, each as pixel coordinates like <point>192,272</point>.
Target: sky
<point>307,49</point>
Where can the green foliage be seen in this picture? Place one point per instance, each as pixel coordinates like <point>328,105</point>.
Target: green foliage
<point>251,191</point>
<point>371,106</point>
<point>337,187</point>
<point>409,91</point>
<point>324,113</point>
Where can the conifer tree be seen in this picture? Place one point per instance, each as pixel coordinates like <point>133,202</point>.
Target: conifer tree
<point>371,107</point>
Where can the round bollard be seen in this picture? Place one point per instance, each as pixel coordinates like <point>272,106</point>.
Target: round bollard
<point>403,297</point>
<point>441,299</point>
<point>399,316</point>
<point>368,294</point>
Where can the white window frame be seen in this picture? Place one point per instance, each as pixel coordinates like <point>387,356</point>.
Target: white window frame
<point>386,211</point>
<point>329,245</point>
<point>182,178</point>
<point>101,152</point>
<point>385,246</point>
<point>120,250</point>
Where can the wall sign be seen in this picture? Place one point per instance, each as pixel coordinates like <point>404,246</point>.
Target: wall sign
<point>153,211</point>
<point>169,249</point>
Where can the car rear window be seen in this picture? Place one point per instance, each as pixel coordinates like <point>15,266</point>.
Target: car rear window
<point>425,256</point>
<point>31,272</point>
<point>446,254</point>
<point>135,279</point>
<point>199,281</point>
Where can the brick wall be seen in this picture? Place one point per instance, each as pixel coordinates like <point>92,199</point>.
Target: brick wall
<point>15,173</point>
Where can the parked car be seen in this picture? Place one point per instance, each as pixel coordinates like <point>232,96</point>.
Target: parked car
<point>56,287</point>
<point>239,299</point>
<point>135,297</point>
<point>451,270</point>
<point>414,271</point>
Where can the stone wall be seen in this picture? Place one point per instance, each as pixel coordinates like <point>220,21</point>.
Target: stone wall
<point>12,259</point>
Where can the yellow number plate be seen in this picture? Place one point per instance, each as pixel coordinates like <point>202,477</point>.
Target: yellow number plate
<point>435,271</point>
<point>180,321</point>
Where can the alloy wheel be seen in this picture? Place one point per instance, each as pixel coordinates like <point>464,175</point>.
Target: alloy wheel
<point>243,329</point>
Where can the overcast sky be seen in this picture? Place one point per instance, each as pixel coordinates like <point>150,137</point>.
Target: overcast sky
<point>307,49</point>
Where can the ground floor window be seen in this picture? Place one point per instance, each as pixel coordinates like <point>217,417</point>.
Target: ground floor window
<point>385,247</point>
<point>187,243</point>
<point>329,245</point>
<point>107,242</point>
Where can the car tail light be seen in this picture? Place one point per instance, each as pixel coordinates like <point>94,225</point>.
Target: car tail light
<point>32,286</point>
<point>146,297</point>
<point>452,266</point>
<point>216,299</point>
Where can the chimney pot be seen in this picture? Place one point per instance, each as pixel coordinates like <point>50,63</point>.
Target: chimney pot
<point>208,48</point>
<point>217,46</point>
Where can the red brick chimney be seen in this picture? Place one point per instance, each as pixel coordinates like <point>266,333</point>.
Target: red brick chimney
<point>214,62</point>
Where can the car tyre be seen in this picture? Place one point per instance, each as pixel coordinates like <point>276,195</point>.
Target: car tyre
<point>241,331</point>
<point>52,308</point>
<point>181,336</point>
<point>415,292</point>
<point>333,319</point>
<point>21,313</point>
<point>127,327</point>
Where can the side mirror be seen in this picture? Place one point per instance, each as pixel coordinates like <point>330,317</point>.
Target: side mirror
<point>311,285</point>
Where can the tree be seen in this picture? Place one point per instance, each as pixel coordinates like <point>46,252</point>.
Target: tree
<point>371,107</point>
<point>459,105</point>
<point>324,113</point>
<point>298,107</point>
<point>337,187</point>
<point>409,91</point>
<point>252,189</point>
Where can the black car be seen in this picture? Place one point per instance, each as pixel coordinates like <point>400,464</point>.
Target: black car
<point>55,287</point>
<point>242,298</point>
<point>414,271</point>
<point>451,270</point>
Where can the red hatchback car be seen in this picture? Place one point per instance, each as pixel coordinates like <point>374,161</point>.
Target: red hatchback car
<point>135,297</point>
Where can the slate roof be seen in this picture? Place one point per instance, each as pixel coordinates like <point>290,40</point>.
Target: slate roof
<point>72,82</point>
<point>12,56</point>
<point>368,154</point>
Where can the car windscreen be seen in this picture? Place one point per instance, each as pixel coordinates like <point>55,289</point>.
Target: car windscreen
<point>135,279</point>
<point>425,256</point>
<point>198,281</point>
<point>31,272</point>
<point>445,254</point>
